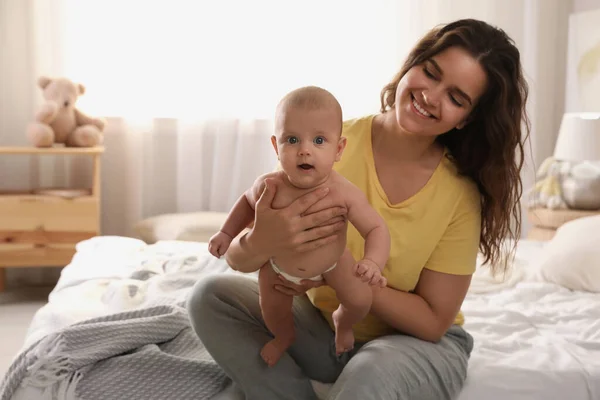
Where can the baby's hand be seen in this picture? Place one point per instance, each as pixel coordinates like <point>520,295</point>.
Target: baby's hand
<point>369,272</point>
<point>219,243</point>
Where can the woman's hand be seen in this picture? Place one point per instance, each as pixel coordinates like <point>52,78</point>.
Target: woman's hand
<point>287,230</point>
<point>292,289</point>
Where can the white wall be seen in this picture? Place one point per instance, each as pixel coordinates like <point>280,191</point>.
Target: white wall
<point>585,5</point>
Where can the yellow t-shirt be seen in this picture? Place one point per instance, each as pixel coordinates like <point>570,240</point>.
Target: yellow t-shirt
<point>438,228</point>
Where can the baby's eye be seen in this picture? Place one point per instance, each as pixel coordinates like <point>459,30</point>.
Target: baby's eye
<point>292,140</point>
<point>319,140</point>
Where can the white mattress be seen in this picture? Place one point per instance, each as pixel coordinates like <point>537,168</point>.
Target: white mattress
<point>533,340</point>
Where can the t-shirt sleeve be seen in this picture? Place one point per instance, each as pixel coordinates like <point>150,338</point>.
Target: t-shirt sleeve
<point>456,252</point>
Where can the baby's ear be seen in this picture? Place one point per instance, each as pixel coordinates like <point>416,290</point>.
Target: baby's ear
<point>341,146</point>
<point>274,143</point>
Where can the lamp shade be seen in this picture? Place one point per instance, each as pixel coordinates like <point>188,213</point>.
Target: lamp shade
<point>578,137</point>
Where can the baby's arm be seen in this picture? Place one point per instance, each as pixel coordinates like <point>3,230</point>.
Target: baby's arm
<point>372,228</point>
<point>240,216</point>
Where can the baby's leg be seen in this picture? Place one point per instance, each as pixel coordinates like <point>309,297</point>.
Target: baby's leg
<point>355,297</point>
<point>276,309</point>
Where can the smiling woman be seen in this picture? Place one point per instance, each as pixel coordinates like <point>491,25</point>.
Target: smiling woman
<point>441,90</point>
<point>449,78</point>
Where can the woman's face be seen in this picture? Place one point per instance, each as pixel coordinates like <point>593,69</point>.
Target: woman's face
<point>438,95</point>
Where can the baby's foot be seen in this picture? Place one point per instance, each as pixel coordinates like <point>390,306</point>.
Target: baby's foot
<point>344,337</point>
<point>272,351</point>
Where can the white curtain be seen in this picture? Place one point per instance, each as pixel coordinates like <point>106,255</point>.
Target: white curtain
<point>189,87</point>
<point>173,165</point>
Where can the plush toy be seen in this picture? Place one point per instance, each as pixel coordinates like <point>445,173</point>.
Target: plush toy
<point>563,184</point>
<point>58,121</point>
<point>581,187</point>
<point>547,191</point>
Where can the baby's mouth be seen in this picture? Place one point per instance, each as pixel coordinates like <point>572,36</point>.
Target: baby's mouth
<point>305,167</point>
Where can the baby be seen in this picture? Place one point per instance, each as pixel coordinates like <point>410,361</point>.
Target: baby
<point>308,141</point>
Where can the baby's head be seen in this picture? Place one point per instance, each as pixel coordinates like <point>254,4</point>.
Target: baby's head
<point>308,141</point>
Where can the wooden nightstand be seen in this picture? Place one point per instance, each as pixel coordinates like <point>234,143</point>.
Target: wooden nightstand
<point>545,221</point>
<point>40,229</point>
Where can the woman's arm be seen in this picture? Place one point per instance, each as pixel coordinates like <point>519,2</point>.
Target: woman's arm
<point>444,281</point>
<point>429,311</point>
<point>286,229</point>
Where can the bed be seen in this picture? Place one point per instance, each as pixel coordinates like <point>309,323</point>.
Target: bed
<point>533,339</point>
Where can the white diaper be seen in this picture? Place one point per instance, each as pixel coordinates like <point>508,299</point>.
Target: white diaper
<point>295,279</point>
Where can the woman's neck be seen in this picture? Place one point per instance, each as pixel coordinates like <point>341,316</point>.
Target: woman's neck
<point>390,140</point>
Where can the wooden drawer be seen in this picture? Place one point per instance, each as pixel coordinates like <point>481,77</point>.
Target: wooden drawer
<point>27,213</point>
<point>41,255</point>
<point>43,230</point>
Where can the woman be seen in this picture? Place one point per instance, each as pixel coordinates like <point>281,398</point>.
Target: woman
<point>441,164</point>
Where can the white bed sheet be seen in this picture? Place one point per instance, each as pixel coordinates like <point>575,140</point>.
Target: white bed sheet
<point>533,340</point>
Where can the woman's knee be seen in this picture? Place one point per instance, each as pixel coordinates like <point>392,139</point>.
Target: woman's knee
<point>402,367</point>
<point>202,292</point>
<point>214,295</point>
<point>206,295</point>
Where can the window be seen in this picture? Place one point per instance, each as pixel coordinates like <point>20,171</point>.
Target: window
<point>228,58</point>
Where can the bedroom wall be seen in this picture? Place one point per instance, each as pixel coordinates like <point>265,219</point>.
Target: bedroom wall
<point>585,5</point>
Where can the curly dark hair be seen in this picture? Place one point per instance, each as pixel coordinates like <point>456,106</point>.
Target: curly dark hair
<point>490,148</point>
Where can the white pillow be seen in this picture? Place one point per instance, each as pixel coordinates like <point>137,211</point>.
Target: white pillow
<point>195,227</point>
<point>572,257</point>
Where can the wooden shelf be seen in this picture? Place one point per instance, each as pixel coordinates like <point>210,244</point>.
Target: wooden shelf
<point>42,228</point>
<point>52,150</point>
<point>553,219</point>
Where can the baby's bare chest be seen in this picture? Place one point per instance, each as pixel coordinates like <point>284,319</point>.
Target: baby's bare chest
<point>286,195</point>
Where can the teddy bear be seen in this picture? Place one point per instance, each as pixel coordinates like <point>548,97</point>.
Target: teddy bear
<point>59,121</point>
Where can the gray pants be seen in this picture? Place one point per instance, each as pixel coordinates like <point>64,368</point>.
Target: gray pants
<point>225,314</point>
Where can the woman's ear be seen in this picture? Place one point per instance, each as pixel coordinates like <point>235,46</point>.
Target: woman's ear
<point>340,148</point>
<point>465,121</point>
<point>469,118</point>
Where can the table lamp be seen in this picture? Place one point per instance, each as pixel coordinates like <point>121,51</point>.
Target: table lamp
<point>579,143</point>
<point>578,137</point>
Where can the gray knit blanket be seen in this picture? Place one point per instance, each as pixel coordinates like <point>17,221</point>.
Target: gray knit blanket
<point>116,327</point>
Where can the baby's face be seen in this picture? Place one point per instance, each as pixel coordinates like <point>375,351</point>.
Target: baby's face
<point>308,143</point>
